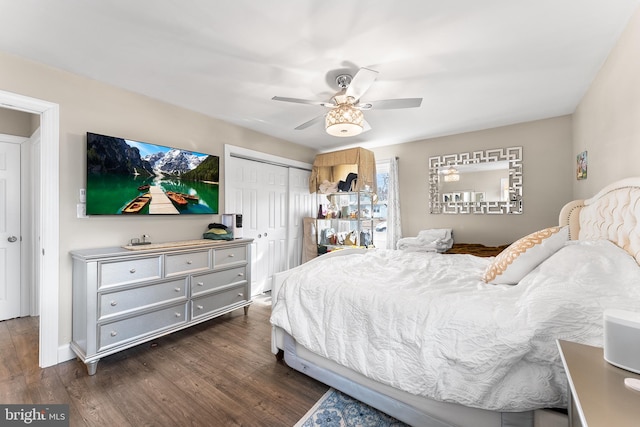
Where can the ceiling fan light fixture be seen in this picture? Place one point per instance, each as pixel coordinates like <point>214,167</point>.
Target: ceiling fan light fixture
<point>344,120</point>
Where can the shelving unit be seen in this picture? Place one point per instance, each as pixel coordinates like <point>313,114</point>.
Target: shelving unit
<point>344,219</point>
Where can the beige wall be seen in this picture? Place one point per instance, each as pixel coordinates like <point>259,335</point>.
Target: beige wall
<point>17,123</point>
<point>607,121</point>
<point>547,171</point>
<point>86,105</point>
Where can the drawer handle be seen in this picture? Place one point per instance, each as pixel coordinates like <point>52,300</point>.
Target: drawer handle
<point>176,289</point>
<point>114,303</point>
<point>200,283</point>
<point>199,307</point>
<point>240,294</point>
<point>114,333</point>
<point>232,255</point>
<point>189,262</point>
<point>240,274</point>
<point>133,270</point>
<point>178,314</point>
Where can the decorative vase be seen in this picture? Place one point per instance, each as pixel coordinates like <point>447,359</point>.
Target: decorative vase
<point>332,211</point>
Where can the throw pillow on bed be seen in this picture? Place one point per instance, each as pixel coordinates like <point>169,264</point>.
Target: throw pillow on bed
<point>524,255</point>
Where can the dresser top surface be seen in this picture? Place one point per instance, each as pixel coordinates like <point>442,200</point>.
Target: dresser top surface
<point>598,387</point>
<point>186,245</point>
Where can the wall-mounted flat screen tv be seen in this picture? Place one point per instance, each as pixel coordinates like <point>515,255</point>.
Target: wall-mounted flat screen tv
<point>126,177</point>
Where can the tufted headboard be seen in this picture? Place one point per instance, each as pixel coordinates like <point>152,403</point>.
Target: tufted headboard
<point>612,214</point>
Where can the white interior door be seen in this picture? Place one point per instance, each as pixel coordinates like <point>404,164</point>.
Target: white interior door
<point>259,191</point>
<point>9,230</point>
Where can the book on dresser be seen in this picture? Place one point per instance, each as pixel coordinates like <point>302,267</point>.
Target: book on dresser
<point>123,297</point>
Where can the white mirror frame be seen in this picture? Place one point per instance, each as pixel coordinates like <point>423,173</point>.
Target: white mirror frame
<point>513,206</point>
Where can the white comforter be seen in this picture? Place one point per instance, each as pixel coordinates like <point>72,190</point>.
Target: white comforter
<point>426,323</point>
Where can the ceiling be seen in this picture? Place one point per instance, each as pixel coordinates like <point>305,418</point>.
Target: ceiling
<point>476,64</point>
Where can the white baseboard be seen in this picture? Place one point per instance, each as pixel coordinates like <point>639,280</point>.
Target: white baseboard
<point>65,353</point>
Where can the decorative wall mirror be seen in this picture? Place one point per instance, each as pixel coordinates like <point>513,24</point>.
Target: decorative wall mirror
<point>481,182</point>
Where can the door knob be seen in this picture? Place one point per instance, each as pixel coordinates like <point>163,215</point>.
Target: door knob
<point>12,239</point>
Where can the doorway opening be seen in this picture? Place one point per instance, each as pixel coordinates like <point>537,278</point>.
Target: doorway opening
<point>46,245</point>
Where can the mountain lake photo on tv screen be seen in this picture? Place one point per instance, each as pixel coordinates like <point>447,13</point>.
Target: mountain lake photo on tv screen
<point>126,177</point>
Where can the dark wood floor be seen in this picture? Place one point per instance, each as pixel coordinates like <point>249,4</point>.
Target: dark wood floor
<point>219,373</point>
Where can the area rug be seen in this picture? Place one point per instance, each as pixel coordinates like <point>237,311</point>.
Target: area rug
<point>336,409</point>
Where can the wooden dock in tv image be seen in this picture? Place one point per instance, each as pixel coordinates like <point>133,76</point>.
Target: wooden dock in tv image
<point>160,203</point>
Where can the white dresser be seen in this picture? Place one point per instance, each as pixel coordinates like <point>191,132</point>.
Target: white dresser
<point>122,298</point>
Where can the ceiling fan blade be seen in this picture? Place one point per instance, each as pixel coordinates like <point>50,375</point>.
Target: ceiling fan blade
<point>304,101</point>
<point>361,82</point>
<point>391,104</point>
<point>311,122</point>
<point>366,126</point>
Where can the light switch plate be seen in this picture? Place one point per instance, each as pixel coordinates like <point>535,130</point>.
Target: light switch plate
<point>83,195</point>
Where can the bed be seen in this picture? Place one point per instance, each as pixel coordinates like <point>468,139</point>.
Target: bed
<point>460,340</point>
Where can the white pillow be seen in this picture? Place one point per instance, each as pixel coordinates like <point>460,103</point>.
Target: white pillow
<point>524,255</point>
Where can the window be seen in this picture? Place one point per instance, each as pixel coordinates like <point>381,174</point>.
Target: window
<point>380,208</point>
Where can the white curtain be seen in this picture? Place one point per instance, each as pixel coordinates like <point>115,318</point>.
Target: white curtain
<point>394,227</point>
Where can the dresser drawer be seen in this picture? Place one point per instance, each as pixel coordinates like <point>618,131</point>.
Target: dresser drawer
<point>115,333</point>
<point>114,303</point>
<point>186,262</point>
<point>206,305</point>
<point>229,256</point>
<point>128,271</point>
<point>206,282</point>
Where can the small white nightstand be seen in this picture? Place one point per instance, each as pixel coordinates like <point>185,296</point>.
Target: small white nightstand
<point>598,396</point>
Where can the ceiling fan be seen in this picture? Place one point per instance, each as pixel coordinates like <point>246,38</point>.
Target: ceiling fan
<point>345,117</point>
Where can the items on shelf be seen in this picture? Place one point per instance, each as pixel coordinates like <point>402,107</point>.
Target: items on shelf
<point>332,211</point>
<point>328,187</point>
<point>350,183</point>
<point>338,165</point>
<point>347,220</point>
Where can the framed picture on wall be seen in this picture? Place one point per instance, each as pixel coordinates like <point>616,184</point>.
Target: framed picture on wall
<point>581,166</point>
